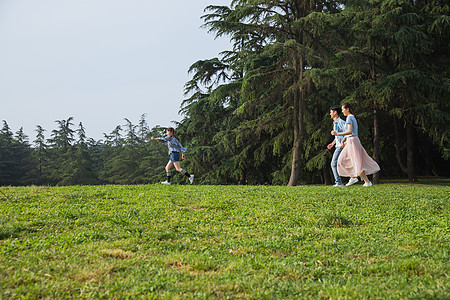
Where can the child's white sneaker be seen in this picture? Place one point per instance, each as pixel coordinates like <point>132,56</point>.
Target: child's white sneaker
<point>367,184</point>
<point>191,179</point>
<point>352,181</point>
<point>165,182</point>
<point>338,185</point>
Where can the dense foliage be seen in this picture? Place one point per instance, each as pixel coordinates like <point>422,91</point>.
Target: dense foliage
<point>259,113</point>
<point>126,156</point>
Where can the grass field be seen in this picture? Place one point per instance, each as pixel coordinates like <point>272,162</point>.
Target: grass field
<point>204,242</point>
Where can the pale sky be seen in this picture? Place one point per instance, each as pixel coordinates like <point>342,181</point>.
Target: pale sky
<point>99,61</point>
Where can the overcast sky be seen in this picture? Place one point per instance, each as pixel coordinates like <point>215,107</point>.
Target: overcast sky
<point>99,61</point>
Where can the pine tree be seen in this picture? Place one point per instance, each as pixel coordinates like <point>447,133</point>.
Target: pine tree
<point>24,159</point>
<point>111,171</point>
<point>9,170</point>
<point>61,153</point>
<point>40,155</point>
<point>277,38</point>
<point>388,62</point>
<point>82,172</point>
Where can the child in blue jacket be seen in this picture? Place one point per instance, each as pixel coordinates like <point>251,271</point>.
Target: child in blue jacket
<point>174,151</point>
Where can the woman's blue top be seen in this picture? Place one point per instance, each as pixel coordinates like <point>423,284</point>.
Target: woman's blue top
<point>352,120</point>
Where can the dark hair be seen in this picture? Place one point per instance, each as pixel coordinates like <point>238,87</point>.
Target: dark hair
<point>336,108</point>
<point>350,108</point>
<point>171,129</point>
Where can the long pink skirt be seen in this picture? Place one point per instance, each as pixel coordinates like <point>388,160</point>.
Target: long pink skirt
<point>353,160</point>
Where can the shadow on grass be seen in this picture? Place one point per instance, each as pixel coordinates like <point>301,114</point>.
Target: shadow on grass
<point>9,231</point>
<point>335,220</point>
<point>428,181</point>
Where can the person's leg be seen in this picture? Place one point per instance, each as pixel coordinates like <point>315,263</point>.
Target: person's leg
<point>179,169</point>
<point>168,167</point>
<point>352,164</point>
<point>183,171</point>
<point>177,166</point>
<point>364,177</point>
<point>352,180</point>
<point>334,162</point>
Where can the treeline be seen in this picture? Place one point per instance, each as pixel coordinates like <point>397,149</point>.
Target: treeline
<point>259,113</point>
<point>126,156</point>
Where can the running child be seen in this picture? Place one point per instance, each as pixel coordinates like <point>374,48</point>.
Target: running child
<point>174,151</point>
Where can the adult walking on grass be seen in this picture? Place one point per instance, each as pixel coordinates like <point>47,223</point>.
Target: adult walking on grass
<point>174,151</point>
<point>339,125</point>
<point>354,160</point>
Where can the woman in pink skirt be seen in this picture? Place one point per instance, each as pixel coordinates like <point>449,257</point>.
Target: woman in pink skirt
<point>354,160</point>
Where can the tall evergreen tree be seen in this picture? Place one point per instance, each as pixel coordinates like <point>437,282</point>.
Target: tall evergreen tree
<point>61,154</point>
<point>40,155</point>
<point>24,159</point>
<point>209,122</point>
<point>112,167</point>
<point>387,65</point>
<point>9,170</point>
<point>278,40</point>
<point>81,172</point>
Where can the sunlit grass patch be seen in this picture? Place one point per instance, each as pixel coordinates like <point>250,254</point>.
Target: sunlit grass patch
<point>117,253</point>
<point>225,241</point>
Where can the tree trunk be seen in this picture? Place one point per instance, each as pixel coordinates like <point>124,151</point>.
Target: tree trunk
<point>298,121</point>
<point>428,159</point>
<point>327,175</point>
<point>298,140</point>
<point>376,127</point>
<point>243,178</point>
<point>397,147</point>
<point>410,148</point>
<point>376,145</point>
<point>410,144</point>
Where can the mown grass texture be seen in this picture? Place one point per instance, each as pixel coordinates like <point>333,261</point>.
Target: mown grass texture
<point>237,242</point>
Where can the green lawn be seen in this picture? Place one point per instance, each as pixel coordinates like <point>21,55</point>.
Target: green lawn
<point>251,242</point>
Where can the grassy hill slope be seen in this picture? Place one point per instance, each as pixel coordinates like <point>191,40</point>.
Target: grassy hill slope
<point>250,242</point>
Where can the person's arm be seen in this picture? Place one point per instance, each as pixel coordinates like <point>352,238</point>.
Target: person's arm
<point>349,131</point>
<point>162,140</point>
<point>183,152</point>
<point>182,149</point>
<point>331,145</point>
